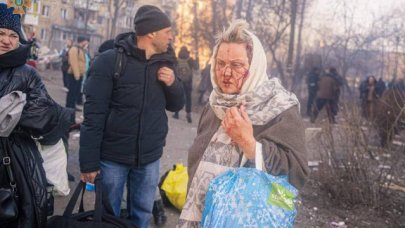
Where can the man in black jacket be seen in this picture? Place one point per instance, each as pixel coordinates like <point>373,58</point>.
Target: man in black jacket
<point>125,123</point>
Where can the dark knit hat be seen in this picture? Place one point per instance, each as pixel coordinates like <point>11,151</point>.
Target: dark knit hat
<point>150,19</point>
<point>9,20</point>
<point>82,38</point>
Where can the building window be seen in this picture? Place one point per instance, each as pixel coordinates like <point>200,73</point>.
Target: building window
<point>64,14</point>
<point>45,10</point>
<point>44,34</point>
<point>130,3</point>
<point>64,36</point>
<point>65,1</point>
<point>99,20</point>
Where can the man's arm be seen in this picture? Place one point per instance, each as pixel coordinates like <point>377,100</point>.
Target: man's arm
<point>174,96</point>
<point>98,91</point>
<point>173,89</point>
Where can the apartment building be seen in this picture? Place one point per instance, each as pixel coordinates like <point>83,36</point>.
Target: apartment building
<point>53,21</point>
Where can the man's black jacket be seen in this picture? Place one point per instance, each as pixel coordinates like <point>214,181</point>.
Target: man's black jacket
<point>125,119</point>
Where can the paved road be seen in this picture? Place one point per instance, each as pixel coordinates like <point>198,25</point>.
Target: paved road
<point>179,139</point>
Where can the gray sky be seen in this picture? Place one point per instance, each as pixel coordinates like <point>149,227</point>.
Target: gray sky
<point>322,12</point>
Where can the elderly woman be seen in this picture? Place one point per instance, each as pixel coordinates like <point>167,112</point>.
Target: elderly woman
<point>248,115</point>
<point>26,112</point>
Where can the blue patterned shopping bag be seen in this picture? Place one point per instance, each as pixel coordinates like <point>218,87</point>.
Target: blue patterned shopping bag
<point>247,197</point>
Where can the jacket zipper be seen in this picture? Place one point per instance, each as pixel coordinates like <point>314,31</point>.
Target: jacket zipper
<point>139,141</point>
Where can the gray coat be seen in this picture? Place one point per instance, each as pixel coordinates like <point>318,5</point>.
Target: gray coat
<point>283,141</point>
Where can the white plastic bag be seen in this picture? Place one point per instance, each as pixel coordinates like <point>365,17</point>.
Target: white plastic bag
<point>55,162</point>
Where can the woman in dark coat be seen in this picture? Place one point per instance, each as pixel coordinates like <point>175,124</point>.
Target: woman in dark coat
<point>27,113</point>
<point>368,96</point>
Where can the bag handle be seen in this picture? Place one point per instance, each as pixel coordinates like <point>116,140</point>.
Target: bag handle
<point>6,161</point>
<point>259,161</point>
<point>98,205</point>
<point>72,202</point>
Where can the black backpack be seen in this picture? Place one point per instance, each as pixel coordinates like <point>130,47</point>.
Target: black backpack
<point>101,217</point>
<point>184,70</point>
<point>65,60</point>
<point>120,63</point>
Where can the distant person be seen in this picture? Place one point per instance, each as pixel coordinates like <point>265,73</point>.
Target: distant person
<point>389,116</point>
<point>205,86</point>
<point>65,62</point>
<point>76,70</point>
<point>83,79</point>
<point>185,67</point>
<point>380,87</point>
<point>368,96</point>
<point>33,55</point>
<point>326,97</point>
<point>312,84</point>
<point>340,83</point>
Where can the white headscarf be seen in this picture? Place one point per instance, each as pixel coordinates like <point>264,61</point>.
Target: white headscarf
<point>263,97</point>
<point>257,70</point>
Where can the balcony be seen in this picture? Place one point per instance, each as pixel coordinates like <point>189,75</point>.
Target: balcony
<point>93,5</point>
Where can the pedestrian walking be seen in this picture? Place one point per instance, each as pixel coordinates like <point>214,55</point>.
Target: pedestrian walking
<point>326,97</point>
<point>185,67</point>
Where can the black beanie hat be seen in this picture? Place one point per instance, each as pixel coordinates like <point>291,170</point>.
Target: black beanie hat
<point>82,38</point>
<point>150,19</point>
<point>11,21</point>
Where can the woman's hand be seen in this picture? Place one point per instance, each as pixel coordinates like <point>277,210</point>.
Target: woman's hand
<point>239,127</point>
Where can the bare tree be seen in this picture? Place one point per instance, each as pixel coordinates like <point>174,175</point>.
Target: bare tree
<point>343,48</point>
<point>238,9</point>
<point>271,25</point>
<point>298,73</point>
<point>115,7</point>
<point>291,42</point>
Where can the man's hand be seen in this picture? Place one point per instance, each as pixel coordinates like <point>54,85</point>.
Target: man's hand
<point>239,127</point>
<point>166,75</point>
<point>89,177</point>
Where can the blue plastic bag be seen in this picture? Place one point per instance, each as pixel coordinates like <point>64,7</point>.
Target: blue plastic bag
<point>247,197</point>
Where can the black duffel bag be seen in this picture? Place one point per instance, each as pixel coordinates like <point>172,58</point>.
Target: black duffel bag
<point>100,217</point>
